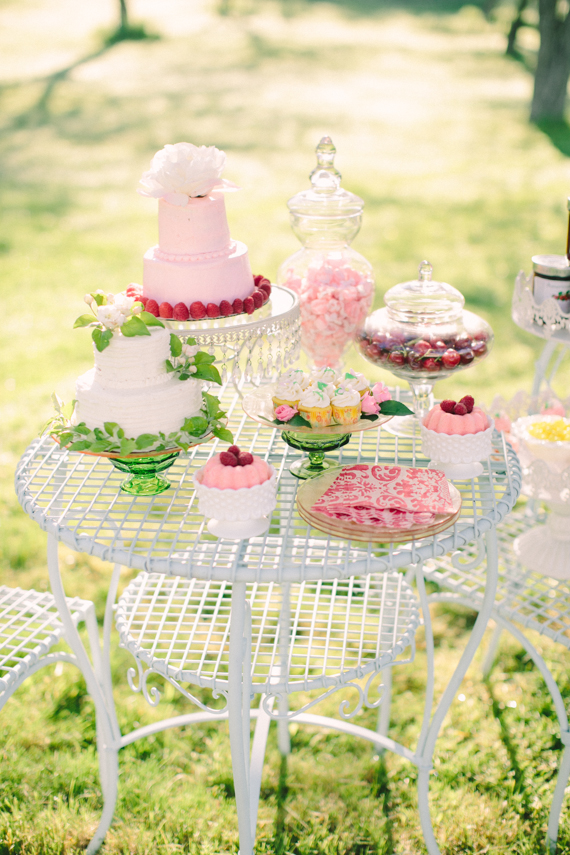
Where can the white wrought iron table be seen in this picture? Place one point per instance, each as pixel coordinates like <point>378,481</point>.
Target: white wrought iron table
<point>250,617</point>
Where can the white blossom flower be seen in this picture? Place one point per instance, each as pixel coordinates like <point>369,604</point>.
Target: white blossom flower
<point>183,168</point>
<point>110,316</point>
<point>88,299</point>
<point>190,350</point>
<point>124,304</point>
<point>136,310</point>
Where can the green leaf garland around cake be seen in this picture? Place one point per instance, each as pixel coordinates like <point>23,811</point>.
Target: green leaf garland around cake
<point>111,439</point>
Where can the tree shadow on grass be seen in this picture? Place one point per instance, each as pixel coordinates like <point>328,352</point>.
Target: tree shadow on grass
<point>558,133</point>
<point>366,8</point>
<point>40,111</point>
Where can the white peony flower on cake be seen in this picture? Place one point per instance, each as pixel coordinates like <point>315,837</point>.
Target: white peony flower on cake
<point>181,170</point>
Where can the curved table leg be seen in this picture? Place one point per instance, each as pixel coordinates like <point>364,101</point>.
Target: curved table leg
<point>427,750</point>
<point>107,745</point>
<point>238,713</point>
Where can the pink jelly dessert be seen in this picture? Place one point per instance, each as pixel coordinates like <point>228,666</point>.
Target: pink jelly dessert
<point>456,418</point>
<point>234,469</point>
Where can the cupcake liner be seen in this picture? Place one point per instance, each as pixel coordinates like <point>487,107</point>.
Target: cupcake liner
<point>346,415</point>
<point>317,416</point>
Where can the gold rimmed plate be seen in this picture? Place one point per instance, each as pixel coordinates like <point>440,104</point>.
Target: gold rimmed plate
<point>311,491</point>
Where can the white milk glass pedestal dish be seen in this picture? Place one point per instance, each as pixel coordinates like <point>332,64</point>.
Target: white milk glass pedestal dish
<point>237,514</point>
<point>457,456</point>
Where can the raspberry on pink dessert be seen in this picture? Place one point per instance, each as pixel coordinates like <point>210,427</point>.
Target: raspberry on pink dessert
<point>233,471</point>
<point>456,420</point>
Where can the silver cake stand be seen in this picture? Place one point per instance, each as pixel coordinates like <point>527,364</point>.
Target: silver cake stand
<point>250,348</point>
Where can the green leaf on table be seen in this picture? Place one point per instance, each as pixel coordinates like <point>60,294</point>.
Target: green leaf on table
<point>395,408</point>
<point>135,326</point>
<point>196,426</point>
<point>224,434</point>
<point>149,320</point>
<point>202,357</point>
<point>102,338</point>
<point>68,409</point>
<point>296,421</point>
<point>111,428</point>
<point>145,440</point>
<point>100,445</point>
<point>370,417</point>
<point>212,405</point>
<point>80,445</point>
<point>100,299</point>
<point>82,429</point>
<point>207,372</point>
<point>169,367</point>
<point>175,345</point>
<point>84,321</point>
<point>128,446</point>
<point>191,341</point>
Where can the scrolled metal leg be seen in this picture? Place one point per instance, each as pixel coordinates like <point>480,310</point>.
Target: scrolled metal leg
<point>238,714</point>
<point>426,756</point>
<point>107,747</point>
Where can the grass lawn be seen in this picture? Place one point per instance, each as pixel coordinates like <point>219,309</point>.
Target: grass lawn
<point>430,122</point>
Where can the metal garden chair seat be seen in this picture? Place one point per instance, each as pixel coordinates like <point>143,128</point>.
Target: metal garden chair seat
<point>29,629</point>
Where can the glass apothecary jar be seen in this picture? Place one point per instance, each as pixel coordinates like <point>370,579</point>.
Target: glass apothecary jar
<point>335,283</point>
<point>424,334</point>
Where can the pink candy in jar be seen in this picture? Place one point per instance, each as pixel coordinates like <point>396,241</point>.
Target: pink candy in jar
<point>334,299</point>
<point>335,283</point>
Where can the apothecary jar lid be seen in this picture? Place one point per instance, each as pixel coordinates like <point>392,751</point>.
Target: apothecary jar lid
<point>326,210</point>
<point>551,266</point>
<point>424,300</point>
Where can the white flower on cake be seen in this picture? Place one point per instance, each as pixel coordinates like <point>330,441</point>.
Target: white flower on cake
<point>116,311</point>
<point>182,170</point>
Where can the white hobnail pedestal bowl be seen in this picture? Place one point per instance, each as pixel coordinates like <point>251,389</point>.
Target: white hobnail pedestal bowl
<point>458,457</point>
<point>237,514</point>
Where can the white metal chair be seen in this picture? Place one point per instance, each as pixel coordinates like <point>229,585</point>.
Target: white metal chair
<point>29,628</point>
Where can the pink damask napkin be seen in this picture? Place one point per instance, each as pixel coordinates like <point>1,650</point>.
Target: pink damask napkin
<point>390,496</point>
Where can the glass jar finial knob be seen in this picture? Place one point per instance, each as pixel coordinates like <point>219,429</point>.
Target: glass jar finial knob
<point>325,175</point>
<point>425,271</point>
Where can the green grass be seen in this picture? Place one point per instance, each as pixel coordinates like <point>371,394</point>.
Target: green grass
<point>430,122</point>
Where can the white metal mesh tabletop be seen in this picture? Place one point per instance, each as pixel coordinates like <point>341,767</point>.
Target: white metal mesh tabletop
<point>76,497</point>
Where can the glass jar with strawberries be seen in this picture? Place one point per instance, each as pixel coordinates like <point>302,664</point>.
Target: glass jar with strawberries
<point>424,334</point>
<point>335,284</point>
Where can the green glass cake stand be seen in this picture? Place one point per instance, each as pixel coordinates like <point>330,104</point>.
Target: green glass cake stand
<point>258,405</point>
<point>144,472</point>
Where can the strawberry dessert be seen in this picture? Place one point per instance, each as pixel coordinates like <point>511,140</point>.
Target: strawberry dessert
<point>234,469</point>
<point>456,436</point>
<point>456,418</point>
<point>238,492</point>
